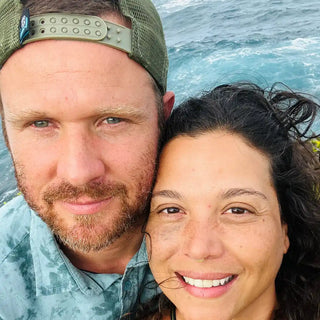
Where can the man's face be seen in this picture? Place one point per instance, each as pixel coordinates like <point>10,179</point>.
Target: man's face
<point>82,127</point>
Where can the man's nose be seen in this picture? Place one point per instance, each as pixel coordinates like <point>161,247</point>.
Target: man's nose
<point>80,159</point>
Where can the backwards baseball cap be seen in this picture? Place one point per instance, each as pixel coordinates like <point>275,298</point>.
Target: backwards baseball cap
<point>144,42</point>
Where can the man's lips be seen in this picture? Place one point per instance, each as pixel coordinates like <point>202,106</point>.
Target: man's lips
<point>84,206</point>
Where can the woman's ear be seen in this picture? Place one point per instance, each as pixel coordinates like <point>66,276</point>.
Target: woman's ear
<point>286,241</point>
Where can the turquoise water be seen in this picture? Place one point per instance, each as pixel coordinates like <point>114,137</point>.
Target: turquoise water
<point>217,41</point>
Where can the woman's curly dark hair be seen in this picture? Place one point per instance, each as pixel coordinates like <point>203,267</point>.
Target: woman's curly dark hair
<point>278,123</point>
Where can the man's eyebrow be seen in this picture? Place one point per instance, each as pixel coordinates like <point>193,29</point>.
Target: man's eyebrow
<point>122,111</point>
<point>167,194</point>
<point>25,115</point>
<point>242,191</point>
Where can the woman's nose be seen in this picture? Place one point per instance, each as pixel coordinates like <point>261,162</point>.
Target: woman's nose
<point>202,240</point>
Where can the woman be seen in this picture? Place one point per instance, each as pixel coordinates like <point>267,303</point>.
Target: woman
<point>234,228</point>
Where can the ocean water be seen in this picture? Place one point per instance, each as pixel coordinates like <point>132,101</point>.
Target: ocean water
<point>211,42</point>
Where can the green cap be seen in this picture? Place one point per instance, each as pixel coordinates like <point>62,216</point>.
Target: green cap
<point>144,42</point>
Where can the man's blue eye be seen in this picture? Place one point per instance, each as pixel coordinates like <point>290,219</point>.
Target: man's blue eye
<point>41,123</point>
<point>113,120</point>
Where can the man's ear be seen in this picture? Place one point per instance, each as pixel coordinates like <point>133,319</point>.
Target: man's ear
<point>168,102</point>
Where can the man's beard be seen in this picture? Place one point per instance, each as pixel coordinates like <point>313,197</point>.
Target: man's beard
<point>90,232</point>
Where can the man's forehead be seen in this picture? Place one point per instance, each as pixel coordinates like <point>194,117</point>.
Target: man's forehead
<point>56,59</point>
<point>58,72</point>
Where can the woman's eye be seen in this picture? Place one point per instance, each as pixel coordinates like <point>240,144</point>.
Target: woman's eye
<point>170,210</point>
<point>238,210</point>
<point>113,120</point>
<point>41,123</point>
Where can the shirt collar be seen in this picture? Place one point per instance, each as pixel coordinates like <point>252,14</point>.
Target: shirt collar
<point>55,274</point>
<point>140,258</point>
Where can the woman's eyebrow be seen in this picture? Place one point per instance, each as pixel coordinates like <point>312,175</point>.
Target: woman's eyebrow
<point>167,194</point>
<point>242,191</point>
<point>225,195</point>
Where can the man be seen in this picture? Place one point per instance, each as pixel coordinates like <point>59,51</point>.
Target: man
<point>83,99</point>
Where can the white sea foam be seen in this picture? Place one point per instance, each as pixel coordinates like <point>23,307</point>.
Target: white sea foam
<point>177,5</point>
<point>301,44</point>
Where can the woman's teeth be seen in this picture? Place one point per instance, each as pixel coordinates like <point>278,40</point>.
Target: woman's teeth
<point>207,283</point>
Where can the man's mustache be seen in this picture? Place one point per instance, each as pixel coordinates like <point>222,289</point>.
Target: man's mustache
<point>94,190</point>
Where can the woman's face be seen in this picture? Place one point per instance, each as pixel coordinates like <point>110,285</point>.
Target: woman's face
<point>216,237</point>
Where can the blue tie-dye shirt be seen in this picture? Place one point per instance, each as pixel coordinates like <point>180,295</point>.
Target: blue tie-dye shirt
<point>37,281</point>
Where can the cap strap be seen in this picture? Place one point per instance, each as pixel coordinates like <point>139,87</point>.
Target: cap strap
<point>79,27</point>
